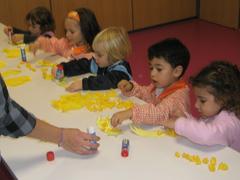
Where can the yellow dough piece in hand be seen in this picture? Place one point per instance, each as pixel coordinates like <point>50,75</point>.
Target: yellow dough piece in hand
<point>104,125</point>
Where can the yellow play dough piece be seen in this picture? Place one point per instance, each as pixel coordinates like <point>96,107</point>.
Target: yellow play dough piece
<point>104,125</point>
<point>45,74</point>
<point>212,163</point>
<point>93,101</point>
<point>14,53</point>
<point>17,81</point>
<point>223,166</point>
<point>155,133</point>
<point>30,67</point>
<point>45,63</point>
<point>10,72</point>
<point>2,64</point>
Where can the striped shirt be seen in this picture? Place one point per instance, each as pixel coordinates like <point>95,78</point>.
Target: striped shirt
<point>15,121</point>
<point>156,110</point>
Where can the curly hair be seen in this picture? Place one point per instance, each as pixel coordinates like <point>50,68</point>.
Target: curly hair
<point>42,16</point>
<point>171,50</point>
<point>88,24</point>
<point>223,81</point>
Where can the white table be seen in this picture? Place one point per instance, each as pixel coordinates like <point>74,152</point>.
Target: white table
<point>149,158</point>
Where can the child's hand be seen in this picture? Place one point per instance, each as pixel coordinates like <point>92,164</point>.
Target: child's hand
<point>177,114</point>
<point>17,38</point>
<point>54,71</point>
<point>56,75</point>
<point>33,47</point>
<point>75,86</point>
<point>125,86</point>
<point>119,117</point>
<point>7,30</point>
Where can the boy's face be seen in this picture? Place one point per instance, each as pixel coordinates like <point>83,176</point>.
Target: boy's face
<point>34,29</point>
<point>205,102</point>
<point>101,56</point>
<point>73,32</point>
<point>162,73</point>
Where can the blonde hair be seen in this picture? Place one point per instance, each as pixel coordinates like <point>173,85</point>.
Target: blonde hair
<point>115,42</point>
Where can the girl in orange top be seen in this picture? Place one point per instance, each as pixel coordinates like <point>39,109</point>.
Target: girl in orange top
<point>81,27</point>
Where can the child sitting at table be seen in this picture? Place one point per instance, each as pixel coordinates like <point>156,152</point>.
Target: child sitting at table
<point>81,27</point>
<point>217,89</point>
<point>167,93</point>
<point>111,47</point>
<point>40,23</point>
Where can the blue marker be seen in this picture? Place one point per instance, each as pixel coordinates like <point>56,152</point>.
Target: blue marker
<point>23,54</point>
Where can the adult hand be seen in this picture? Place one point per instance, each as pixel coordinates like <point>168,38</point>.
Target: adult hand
<point>79,142</point>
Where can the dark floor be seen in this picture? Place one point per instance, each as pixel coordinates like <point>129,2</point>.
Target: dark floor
<point>206,42</point>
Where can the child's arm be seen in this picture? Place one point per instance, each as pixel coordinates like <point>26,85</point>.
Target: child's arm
<point>201,132</point>
<point>54,45</point>
<point>76,67</point>
<point>105,81</point>
<point>75,86</point>
<point>155,114</point>
<point>121,116</point>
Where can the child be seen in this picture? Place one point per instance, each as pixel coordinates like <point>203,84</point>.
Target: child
<point>81,27</point>
<point>40,23</point>
<point>168,61</point>
<point>111,48</point>
<point>217,88</point>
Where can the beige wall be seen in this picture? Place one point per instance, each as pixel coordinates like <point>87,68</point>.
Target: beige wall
<point>108,12</point>
<point>131,14</point>
<point>224,12</point>
<point>152,12</point>
<point>13,12</point>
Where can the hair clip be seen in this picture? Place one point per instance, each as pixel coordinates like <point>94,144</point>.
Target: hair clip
<point>74,15</point>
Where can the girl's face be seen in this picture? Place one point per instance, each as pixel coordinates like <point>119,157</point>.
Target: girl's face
<point>205,102</point>
<point>162,73</point>
<point>73,32</point>
<point>34,29</point>
<point>101,56</point>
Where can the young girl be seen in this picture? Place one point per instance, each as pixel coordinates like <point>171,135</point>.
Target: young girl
<point>81,27</point>
<point>217,88</point>
<point>111,48</point>
<point>40,23</point>
<point>168,61</point>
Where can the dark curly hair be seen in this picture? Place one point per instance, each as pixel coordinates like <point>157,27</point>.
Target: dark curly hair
<point>223,81</point>
<point>173,51</point>
<point>89,25</point>
<point>42,16</point>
